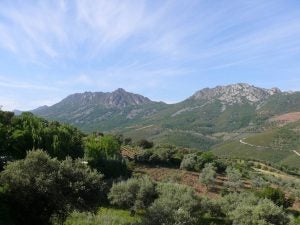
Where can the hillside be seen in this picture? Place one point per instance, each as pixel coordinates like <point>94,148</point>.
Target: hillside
<point>99,111</point>
<point>209,117</point>
<point>280,146</point>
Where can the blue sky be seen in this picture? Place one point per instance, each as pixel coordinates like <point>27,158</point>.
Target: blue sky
<point>165,50</point>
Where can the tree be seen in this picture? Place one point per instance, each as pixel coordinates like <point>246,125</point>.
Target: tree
<point>189,162</point>
<point>39,187</point>
<point>135,193</point>
<point>19,134</point>
<point>197,161</point>
<point>277,196</point>
<point>234,178</point>
<point>258,181</point>
<point>264,212</point>
<point>106,146</point>
<point>103,153</point>
<point>176,205</point>
<point>208,175</point>
<point>145,144</point>
<point>248,209</point>
<point>128,141</point>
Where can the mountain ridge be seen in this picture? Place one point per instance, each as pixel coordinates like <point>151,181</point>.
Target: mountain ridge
<point>208,91</point>
<point>235,93</point>
<point>206,119</point>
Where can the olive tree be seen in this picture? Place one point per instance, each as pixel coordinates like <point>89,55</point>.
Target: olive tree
<point>176,205</point>
<point>39,187</point>
<point>135,193</point>
<point>208,175</point>
<point>234,178</point>
<point>246,208</point>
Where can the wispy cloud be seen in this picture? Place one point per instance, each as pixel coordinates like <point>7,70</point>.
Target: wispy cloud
<point>54,30</point>
<point>142,45</point>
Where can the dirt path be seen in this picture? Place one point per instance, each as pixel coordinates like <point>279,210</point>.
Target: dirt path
<point>141,128</point>
<point>297,153</point>
<point>245,143</point>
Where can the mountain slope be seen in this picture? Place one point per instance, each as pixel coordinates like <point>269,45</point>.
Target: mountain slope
<point>223,108</point>
<point>99,111</point>
<point>280,146</point>
<point>209,117</point>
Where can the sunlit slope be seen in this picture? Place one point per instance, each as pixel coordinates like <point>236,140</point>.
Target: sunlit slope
<point>279,145</point>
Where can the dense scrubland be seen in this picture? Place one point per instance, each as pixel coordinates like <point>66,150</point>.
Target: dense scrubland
<point>52,173</point>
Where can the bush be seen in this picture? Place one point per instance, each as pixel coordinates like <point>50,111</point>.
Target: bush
<point>208,175</point>
<point>277,196</point>
<point>103,154</point>
<point>39,187</point>
<point>197,161</point>
<point>246,208</point>
<point>160,155</point>
<point>234,178</point>
<point>145,144</point>
<point>176,205</point>
<point>134,193</point>
<point>264,212</point>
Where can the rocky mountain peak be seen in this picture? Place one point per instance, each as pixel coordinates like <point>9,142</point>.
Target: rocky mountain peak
<point>235,93</point>
<point>121,98</point>
<point>116,99</point>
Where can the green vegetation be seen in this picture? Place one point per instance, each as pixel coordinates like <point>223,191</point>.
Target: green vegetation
<point>176,204</point>
<point>246,208</point>
<point>277,196</point>
<point>104,216</point>
<point>103,154</point>
<point>208,175</point>
<point>86,180</point>
<point>274,146</point>
<point>25,132</point>
<point>166,155</point>
<point>39,187</point>
<point>135,194</point>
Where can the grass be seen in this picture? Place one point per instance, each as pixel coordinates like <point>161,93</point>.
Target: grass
<point>235,149</point>
<point>274,146</point>
<point>263,139</point>
<point>104,216</point>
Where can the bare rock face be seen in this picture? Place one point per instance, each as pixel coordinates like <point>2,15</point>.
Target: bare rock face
<point>235,94</point>
<point>116,99</point>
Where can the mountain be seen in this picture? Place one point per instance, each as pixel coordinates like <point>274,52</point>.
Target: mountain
<point>212,118</point>
<point>100,111</point>
<point>235,93</point>
<point>204,119</point>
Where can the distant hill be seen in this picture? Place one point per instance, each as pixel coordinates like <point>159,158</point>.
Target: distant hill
<point>99,111</point>
<point>280,145</point>
<point>207,118</point>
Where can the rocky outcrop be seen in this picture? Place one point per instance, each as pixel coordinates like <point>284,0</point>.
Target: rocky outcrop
<point>116,99</point>
<point>235,93</point>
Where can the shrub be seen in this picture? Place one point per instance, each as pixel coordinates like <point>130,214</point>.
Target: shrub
<point>234,178</point>
<point>134,193</point>
<point>39,187</point>
<point>176,205</point>
<point>196,161</point>
<point>277,196</point>
<point>208,175</point>
<point>246,208</point>
<point>145,144</point>
<point>103,154</point>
